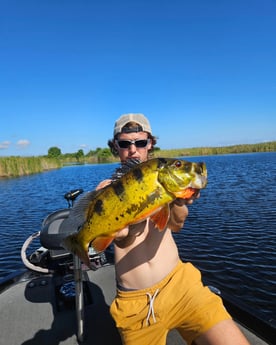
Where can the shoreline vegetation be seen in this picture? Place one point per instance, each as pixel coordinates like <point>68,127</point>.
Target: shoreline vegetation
<point>16,166</point>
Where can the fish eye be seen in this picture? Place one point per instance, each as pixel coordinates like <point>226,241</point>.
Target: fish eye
<point>178,164</point>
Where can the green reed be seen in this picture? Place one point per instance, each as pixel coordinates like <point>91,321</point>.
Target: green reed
<point>19,166</point>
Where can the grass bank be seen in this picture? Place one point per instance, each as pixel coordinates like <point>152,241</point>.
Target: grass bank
<point>206,151</point>
<point>20,166</point>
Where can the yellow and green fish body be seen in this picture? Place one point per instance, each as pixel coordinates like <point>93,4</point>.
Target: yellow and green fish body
<point>146,190</point>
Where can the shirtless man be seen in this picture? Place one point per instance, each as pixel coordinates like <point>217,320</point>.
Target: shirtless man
<point>157,292</point>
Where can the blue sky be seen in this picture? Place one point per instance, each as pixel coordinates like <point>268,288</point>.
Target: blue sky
<point>203,72</point>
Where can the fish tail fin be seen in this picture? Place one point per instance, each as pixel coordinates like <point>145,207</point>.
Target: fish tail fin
<point>76,247</point>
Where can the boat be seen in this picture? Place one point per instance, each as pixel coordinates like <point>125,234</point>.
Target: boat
<point>58,300</point>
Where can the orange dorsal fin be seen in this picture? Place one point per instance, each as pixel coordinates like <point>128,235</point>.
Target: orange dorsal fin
<point>160,218</point>
<point>101,243</point>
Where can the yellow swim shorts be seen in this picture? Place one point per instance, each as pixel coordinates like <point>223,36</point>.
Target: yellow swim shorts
<point>144,317</point>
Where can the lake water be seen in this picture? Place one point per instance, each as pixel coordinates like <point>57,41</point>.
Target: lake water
<point>230,234</point>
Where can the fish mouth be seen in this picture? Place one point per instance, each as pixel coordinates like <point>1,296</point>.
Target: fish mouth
<point>195,192</point>
<point>187,193</point>
<point>192,192</point>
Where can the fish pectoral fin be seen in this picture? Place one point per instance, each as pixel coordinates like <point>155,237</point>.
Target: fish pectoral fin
<point>160,218</point>
<point>101,243</point>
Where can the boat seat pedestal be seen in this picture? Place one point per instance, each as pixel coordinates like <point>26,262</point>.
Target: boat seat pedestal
<point>54,230</point>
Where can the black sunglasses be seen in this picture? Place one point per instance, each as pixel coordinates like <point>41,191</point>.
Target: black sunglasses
<point>124,144</point>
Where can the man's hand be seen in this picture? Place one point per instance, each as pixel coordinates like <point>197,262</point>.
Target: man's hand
<point>179,212</point>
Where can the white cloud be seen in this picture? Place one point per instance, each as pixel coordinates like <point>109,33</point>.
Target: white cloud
<point>23,143</point>
<point>5,145</point>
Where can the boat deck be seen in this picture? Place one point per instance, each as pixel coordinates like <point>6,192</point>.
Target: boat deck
<point>31,313</point>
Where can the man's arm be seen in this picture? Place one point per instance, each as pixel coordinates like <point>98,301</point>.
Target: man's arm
<point>179,212</point>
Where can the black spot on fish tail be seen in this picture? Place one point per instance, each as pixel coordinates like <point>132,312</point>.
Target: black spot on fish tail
<point>138,174</point>
<point>118,188</point>
<point>98,208</point>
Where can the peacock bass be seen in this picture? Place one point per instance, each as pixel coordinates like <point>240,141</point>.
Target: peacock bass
<point>145,190</point>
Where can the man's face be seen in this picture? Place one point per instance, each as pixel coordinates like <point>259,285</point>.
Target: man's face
<point>130,150</point>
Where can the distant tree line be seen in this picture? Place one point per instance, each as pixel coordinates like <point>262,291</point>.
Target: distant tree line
<point>100,155</point>
<point>104,155</point>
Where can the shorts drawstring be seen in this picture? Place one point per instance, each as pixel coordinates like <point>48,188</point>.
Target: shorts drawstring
<point>151,306</point>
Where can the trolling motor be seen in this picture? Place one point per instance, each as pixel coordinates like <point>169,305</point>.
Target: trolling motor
<point>72,195</point>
